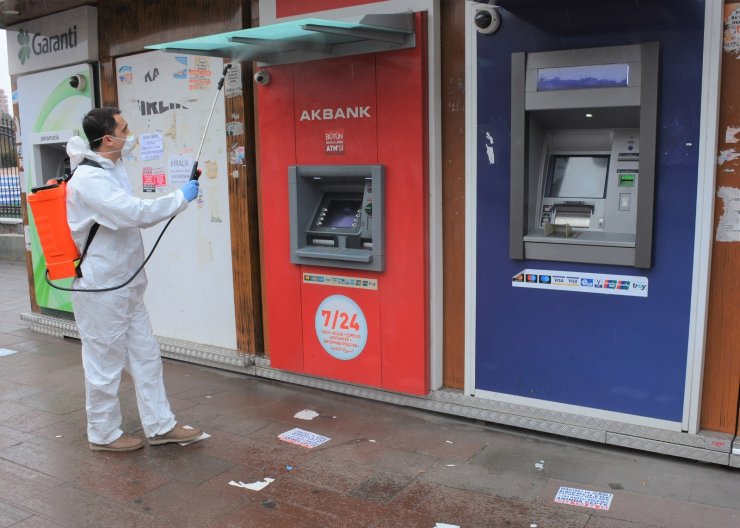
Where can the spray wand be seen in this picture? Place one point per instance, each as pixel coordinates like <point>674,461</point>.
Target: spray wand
<point>195,173</point>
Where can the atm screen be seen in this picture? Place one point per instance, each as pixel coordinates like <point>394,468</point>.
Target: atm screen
<point>341,213</point>
<point>577,176</point>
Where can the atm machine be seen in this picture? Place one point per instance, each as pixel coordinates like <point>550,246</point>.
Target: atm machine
<point>583,154</point>
<point>337,217</point>
<point>52,104</point>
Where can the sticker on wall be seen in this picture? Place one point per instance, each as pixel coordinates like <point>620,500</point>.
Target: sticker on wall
<point>151,146</point>
<point>236,155</point>
<point>341,327</point>
<point>731,134</point>
<point>180,168</point>
<point>126,74</point>
<point>182,72</point>
<point>153,179</point>
<point>233,82</point>
<point>727,155</point>
<point>627,285</point>
<point>338,280</point>
<point>334,141</point>
<point>489,149</point>
<point>200,75</point>
<point>732,29</point>
<point>234,128</point>
<point>728,228</point>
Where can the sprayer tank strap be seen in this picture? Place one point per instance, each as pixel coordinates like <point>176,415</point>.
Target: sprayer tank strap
<point>95,226</point>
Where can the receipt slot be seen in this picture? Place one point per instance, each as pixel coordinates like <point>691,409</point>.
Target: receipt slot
<point>337,216</point>
<point>583,154</point>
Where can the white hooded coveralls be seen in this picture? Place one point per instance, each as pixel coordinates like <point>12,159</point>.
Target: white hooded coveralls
<point>114,326</point>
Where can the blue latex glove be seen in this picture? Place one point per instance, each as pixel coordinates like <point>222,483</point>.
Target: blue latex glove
<point>190,190</point>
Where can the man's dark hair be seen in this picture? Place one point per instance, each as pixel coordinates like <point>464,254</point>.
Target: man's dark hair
<point>99,122</point>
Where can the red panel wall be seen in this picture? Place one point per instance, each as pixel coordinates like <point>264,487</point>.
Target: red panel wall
<point>286,8</point>
<point>296,112</point>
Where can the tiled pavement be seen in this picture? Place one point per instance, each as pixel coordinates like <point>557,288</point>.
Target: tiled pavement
<point>385,466</point>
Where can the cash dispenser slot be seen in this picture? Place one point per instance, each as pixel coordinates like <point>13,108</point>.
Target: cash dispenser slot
<point>572,214</point>
<point>337,216</point>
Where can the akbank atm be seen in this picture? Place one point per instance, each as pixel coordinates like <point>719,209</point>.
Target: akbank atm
<point>344,195</point>
<point>583,154</point>
<point>336,216</point>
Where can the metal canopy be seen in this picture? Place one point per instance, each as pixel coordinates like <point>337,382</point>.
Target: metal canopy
<point>303,40</point>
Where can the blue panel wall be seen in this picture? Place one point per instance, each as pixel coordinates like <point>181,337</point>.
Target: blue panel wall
<point>623,354</point>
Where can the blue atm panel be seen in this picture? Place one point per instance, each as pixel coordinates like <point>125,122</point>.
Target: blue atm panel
<point>608,352</point>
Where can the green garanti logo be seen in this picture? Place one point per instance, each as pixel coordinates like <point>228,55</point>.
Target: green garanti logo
<point>25,42</point>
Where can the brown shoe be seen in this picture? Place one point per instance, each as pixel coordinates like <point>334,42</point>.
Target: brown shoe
<point>124,443</point>
<point>176,434</point>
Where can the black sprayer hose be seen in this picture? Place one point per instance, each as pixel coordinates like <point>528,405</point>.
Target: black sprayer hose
<point>120,285</point>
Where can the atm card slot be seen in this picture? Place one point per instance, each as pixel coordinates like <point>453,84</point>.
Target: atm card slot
<point>323,242</point>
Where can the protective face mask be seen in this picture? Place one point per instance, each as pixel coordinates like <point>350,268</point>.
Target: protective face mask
<point>128,144</point>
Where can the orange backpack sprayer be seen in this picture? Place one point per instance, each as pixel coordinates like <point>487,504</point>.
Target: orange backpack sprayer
<point>49,207</point>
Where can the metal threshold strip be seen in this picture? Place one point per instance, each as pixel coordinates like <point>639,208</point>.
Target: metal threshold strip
<point>303,40</point>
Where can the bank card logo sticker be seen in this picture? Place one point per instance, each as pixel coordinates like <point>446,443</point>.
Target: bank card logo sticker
<point>624,285</point>
<point>126,74</point>
<point>341,327</point>
<point>340,280</point>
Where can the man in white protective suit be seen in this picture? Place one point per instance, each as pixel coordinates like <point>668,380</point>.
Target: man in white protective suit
<point>114,325</point>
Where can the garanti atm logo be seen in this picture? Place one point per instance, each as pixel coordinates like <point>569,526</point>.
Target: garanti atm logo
<point>39,44</point>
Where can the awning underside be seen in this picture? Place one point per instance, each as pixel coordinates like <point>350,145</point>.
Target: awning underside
<point>303,40</point>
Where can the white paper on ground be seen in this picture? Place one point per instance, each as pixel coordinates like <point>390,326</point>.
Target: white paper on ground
<point>303,438</point>
<point>202,436</point>
<point>6,352</point>
<point>445,525</point>
<point>598,500</point>
<point>306,414</point>
<point>255,486</point>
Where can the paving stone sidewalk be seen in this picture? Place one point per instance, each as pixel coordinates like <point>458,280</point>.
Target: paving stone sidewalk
<point>384,465</point>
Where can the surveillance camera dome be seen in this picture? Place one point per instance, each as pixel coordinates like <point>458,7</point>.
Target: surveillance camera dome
<point>486,20</point>
<point>77,82</point>
<point>262,77</point>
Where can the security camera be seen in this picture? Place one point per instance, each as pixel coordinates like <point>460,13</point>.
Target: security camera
<point>78,82</point>
<point>486,20</point>
<point>262,77</point>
